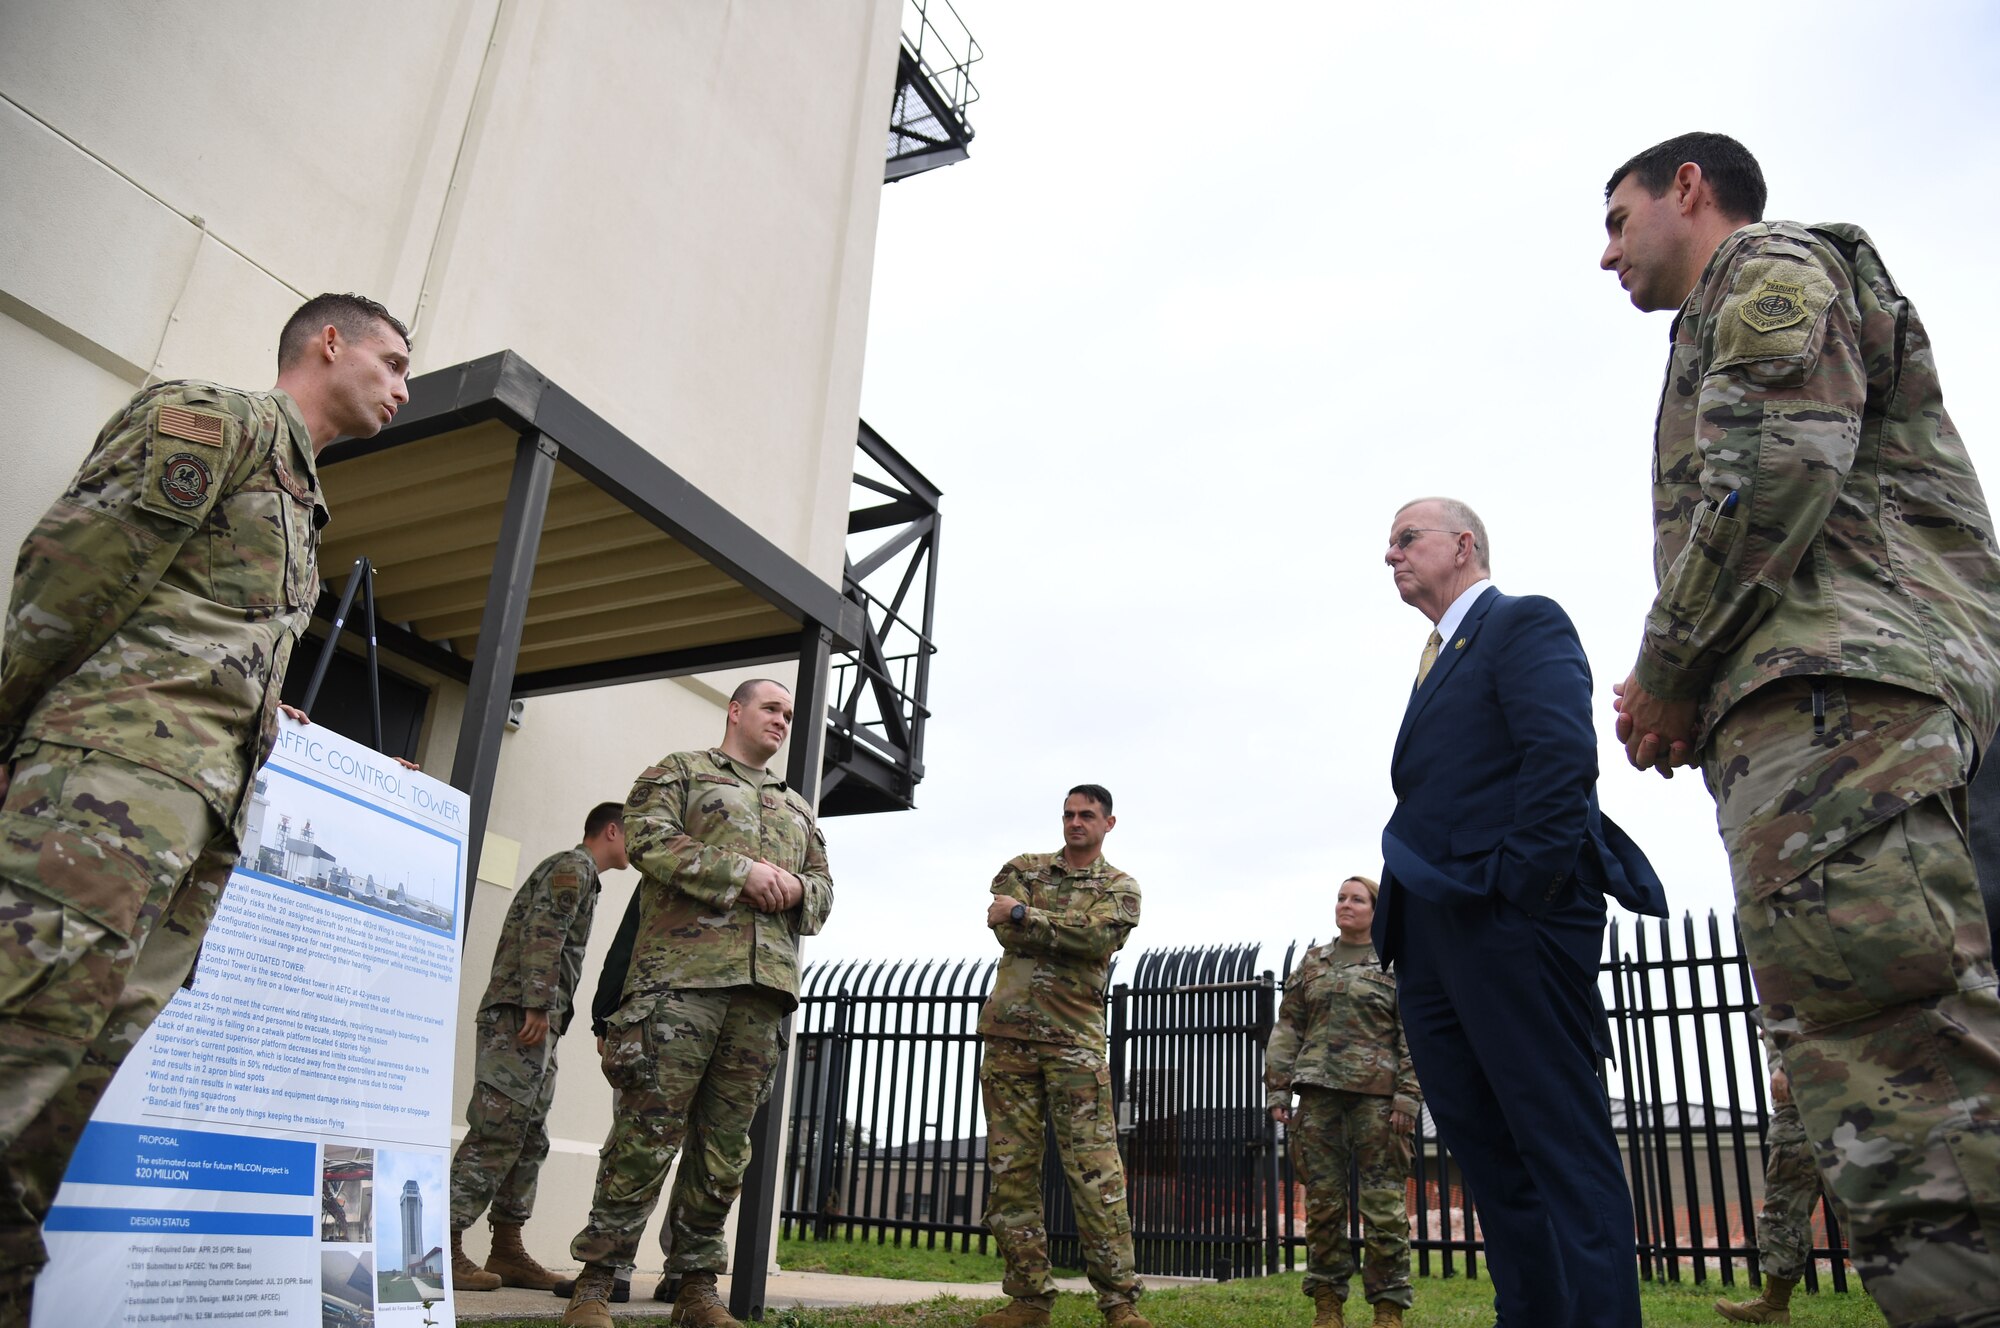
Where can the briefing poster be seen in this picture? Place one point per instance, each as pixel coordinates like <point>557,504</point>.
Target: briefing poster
<point>277,1146</point>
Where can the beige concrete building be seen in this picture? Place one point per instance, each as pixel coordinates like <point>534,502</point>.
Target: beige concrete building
<point>668,211</point>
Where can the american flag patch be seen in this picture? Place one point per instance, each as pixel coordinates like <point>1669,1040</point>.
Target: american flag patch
<point>193,425</point>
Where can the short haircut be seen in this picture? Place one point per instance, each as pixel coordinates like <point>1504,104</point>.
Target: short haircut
<point>1097,793</point>
<point>745,690</point>
<point>1367,883</point>
<point>1732,173</point>
<point>603,814</point>
<point>1462,517</point>
<point>354,315</point>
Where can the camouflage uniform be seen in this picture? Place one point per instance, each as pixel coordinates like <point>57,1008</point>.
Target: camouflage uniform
<point>693,1048</point>
<point>1791,1189</point>
<point>1339,1043</point>
<point>536,966</point>
<point>1043,1027</point>
<point>155,608</point>
<point>1828,596</point>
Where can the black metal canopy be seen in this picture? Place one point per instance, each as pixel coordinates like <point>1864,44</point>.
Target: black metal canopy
<point>522,545</point>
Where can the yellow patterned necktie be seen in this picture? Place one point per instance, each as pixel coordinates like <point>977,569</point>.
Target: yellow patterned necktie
<point>1431,644</point>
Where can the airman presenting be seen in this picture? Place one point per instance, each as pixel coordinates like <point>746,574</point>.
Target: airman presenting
<point>1059,918</point>
<point>155,608</point>
<point>734,872</point>
<point>527,1007</point>
<point>1825,642</point>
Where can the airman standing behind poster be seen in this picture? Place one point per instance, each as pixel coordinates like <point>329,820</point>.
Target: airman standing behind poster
<point>1825,642</point>
<point>1059,918</point>
<point>154,611</point>
<point>529,999</point>
<point>733,872</point>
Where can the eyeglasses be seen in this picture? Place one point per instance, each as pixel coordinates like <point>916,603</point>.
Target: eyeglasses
<point>1408,535</point>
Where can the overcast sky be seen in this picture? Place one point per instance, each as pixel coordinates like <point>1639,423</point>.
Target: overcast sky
<point>1214,295</point>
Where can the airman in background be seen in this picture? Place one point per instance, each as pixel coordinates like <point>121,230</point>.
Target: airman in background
<point>529,999</point>
<point>1338,1045</point>
<point>1784,1224</point>
<point>1059,917</point>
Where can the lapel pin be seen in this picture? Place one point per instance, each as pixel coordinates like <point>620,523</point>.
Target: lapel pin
<point>1460,644</point>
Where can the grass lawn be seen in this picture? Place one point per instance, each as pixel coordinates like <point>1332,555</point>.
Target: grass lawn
<point>910,1261</point>
<point>1275,1302</point>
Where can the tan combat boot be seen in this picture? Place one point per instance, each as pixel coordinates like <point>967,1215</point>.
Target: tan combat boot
<point>1388,1312</point>
<point>1326,1308</point>
<point>621,1289</point>
<point>697,1306</point>
<point>1124,1316</point>
<point>1773,1306</point>
<point>465,1274</point>
<point>1014,1314</point>
<point>510,1261</point>
<point>589,1304</point>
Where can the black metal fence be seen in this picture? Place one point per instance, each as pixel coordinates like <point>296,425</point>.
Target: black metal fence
<point>886,1125</point>
<point>1691,1100</point>
<point>888,1134</point>
<point>1187,1061</point>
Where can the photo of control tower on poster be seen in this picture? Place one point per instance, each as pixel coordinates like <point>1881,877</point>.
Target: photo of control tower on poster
<point>410,1237</point>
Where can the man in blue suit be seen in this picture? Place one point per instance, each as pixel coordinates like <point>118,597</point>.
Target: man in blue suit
<point>1496,865</point>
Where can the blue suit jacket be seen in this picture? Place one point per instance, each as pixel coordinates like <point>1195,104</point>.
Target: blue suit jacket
<point>1495,772</point>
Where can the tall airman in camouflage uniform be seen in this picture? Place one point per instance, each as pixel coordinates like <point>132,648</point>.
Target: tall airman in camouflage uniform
<point>1338,1043</point>
<point>733,872</point>
<point>1059,918</point>
<point>1784,1225</point>
<point>154,610</point>
<point>1826,642</point>
<point>529,999</point>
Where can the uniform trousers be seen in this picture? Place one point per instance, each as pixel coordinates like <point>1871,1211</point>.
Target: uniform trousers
<point>1337,1136</point>
<point>1874,969</point>
<point>1791,1189</point>
<point>148,858</point>
<point>1026,1087</point>
<point>506,1137</point>
<point>693,1066</point>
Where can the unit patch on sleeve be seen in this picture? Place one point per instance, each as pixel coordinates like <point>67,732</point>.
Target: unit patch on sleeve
<point>185,480</point>
<point>1773,305</point>
<point>1772,318</point>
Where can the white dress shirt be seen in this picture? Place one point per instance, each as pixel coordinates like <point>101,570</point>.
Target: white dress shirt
<point>1455,615</point>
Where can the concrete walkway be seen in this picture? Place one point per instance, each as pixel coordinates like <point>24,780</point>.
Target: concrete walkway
<point>781,1290</point>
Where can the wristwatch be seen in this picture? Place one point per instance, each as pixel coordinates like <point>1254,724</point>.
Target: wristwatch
<point>1017,914</point>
